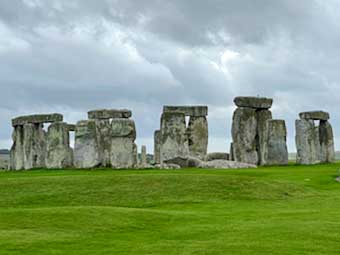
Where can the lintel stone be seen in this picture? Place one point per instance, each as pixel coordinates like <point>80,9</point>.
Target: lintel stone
<point>110,114</point>
<point>37,119</point>
<point>193,111</point>
<point>315,115</point>
<point>254,102</point>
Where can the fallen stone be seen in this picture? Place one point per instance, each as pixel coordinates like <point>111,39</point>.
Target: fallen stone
<point>275,148</point>
<point>37,119</point>
<point>194,111</point>
<point>184,162</point>
<point>109,114</point>
<point>225,164</point>
<point>174,139</point>
<point>217,156</point>
<point>244,133</point>
<point>167,166</point>
<point>59,153</point>
<point>315,115</point>
<point>86,150</point>
<point>198,136</point>
<point>254,102</point>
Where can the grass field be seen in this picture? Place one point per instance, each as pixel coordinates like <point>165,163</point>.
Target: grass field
<point>274,210</point>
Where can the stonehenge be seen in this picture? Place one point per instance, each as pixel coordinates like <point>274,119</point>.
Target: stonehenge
<point>33,147</point>
<point>107,139</point>
<point>177,138</point>
<point>257,138</point>
<point>314,138</point>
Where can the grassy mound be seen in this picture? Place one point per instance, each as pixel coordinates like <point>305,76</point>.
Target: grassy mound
<point>274,210</point>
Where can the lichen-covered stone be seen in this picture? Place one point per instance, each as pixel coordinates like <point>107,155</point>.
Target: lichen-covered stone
<point>109,114</point>
<point>37,119</point>
<point>174,139</point>
<point>34,146</point>
<point>123,128</point>
<point>306,138</point>
<point>198,136</point>
<point>59,153</point>
<point>104,139</point>
<point>225,164</point>
<point>17,150</point>
<point>262,117</point>
<point>254,102</point>
<point>157,147</point>
<point>193,111</point>
<point>327,151</point>
<point>217,156</point>
<point>123,153</point>
<point>184,161</point>
<point>244,133</point>
<point>86,150</point>
<point>275,150</point>
<point>315,115</point>
<point>143,156</point>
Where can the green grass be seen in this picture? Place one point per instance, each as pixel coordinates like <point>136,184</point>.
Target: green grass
<point>272,210</point>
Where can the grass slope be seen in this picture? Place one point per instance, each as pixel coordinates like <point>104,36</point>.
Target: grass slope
<point>274,210</point>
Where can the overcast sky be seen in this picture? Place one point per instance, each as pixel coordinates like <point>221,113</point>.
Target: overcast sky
<point>71,56</point>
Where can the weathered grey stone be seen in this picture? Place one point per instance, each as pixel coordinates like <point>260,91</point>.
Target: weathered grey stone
<point>244,133</point>
<point>217,156</point>
<point>86,150</point>
<point>327,151</point>
<point>231,152</point>
<point>17,150</point>
<point>34,146</point>
<point>194,111</point>
<point>315,115</point>
<point>225,164</point>
<point>143,156</point>
<point>275,147</point>
<point>306,138</point>
<point>262,117</point>
<point>123,153</point>
<point>167,166</point>
<point>184,161</point>
<point>254,102</point>
<point>123,128</point>
<point>59,152</point>
<point>157,147</point>
<point>174,139</point>
<point>37,119</point>
<point>109,114</point>
<point>198,136</point>
<point>104,139</point>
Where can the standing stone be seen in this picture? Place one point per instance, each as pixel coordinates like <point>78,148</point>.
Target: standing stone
<point>104,138</point>
<point>198,136</point>
<point>59,152</point>
<point>231,152</point>
<point>262,117</point>
<point>86,151</point>
<point>327,151</point>
<point>143,157</point>
<point>317,143</point>
<point>244,132</point>
<point>275,148</point>
<point>34,146</point>
<point>306,138</point>
<point>17,152</point>
<point>174,139</point>
<point>157,147</point>
<point>123,148</point>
